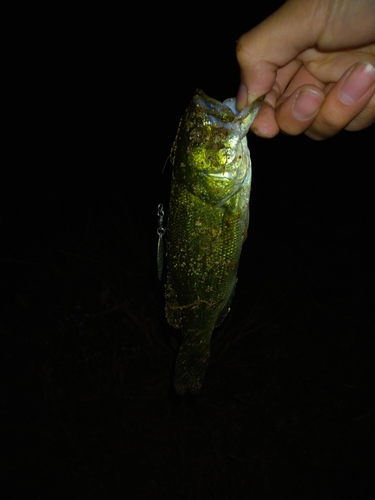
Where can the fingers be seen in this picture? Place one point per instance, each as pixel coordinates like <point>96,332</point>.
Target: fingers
<point>321,113</point>
<point>265,124</point>
<point>260,54</point>
<point>307,59</point>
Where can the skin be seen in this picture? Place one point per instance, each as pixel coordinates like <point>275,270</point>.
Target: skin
<point>315,62</point>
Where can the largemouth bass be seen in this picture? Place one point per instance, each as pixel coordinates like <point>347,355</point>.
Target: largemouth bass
<point>207,225</point>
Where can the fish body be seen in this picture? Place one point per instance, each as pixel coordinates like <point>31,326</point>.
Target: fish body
<point>207,225</point>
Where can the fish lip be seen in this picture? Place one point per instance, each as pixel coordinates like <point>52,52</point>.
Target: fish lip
<point>231,104</point>
<point>238,122</point>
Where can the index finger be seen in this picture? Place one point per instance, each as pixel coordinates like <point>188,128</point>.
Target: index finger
<point>276,42</point>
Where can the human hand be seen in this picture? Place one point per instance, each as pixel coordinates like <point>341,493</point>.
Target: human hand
<point>315,61</point>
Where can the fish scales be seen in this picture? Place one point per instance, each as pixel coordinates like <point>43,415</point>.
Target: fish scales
<point>207,225</point>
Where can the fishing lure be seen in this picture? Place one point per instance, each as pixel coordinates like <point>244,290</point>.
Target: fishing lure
<point>160,232</point>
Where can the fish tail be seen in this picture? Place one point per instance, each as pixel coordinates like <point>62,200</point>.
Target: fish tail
<point>191,364</point>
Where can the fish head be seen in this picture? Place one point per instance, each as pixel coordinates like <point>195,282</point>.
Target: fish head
<point>210,153</point>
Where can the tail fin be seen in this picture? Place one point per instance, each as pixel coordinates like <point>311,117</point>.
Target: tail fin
<point>191,364</point>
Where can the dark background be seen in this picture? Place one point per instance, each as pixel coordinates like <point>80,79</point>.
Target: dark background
<point>87,405</point>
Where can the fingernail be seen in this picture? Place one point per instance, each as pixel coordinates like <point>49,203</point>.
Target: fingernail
<point>357,83</point>
<point>241,99</point>
<point>306,104</point>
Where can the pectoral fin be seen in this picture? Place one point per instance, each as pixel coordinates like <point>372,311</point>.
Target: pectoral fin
<point>225,310</point>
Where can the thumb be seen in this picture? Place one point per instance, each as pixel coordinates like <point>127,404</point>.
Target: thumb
<point>274,43</point>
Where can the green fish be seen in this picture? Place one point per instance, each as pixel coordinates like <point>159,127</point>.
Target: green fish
<point>207,225</point>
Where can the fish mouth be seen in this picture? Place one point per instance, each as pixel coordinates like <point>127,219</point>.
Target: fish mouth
<point>243,119</point>
<point>225,114</point>
<point>231,104</point>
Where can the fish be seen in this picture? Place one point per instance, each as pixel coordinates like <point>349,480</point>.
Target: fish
<point>206,227</point>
